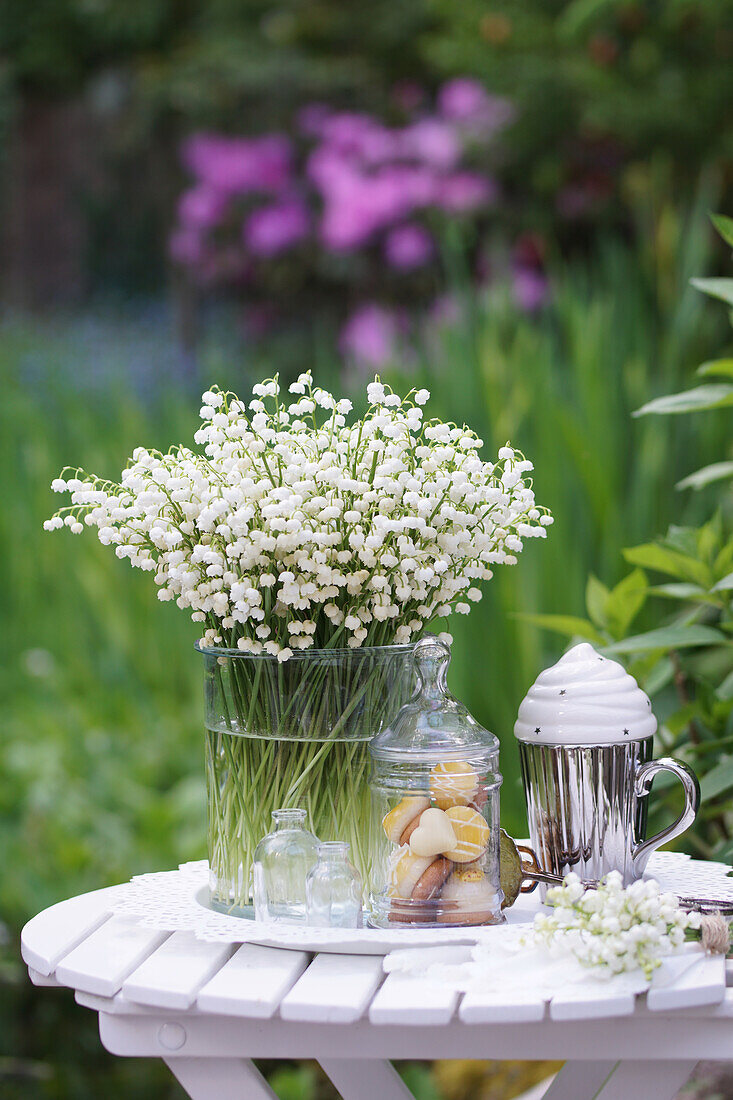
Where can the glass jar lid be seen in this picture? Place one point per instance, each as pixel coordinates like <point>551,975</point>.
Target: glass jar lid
<point>433,725</point>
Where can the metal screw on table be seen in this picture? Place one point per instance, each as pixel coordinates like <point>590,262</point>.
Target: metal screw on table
<point>172,1036</point>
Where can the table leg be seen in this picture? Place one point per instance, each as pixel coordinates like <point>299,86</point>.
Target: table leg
<point>220,1078</point>
<point>581,1081</point>
<point>365,1079</point>
<point>646,1080</point>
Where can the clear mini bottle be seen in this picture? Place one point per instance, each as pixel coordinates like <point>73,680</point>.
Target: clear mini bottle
<point>334,889</point>
<point>281,863</point>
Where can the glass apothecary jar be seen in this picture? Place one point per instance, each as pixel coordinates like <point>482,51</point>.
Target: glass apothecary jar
<point>435,788</point>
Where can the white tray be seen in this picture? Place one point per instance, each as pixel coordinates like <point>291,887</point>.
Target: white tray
<point>178,901</point>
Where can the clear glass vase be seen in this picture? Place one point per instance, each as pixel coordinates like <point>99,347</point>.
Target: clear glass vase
<point>293,733</point>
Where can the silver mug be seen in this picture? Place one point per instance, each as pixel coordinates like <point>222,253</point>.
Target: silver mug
<point>587,806</point>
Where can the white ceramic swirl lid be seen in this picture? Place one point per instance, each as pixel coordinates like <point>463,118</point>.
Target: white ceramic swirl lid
<point>585,699</point>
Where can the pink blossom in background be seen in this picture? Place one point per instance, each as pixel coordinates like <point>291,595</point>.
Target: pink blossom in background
<point>466,101</point>
<point>202,206</point>
<point>273,229</point>
<point>530,288</point>
<point>408,246</point>
<point>362,184</point>
<point>431,141</point>
<point>356,205</point>
<point>462,98</point>
<point>370,177</point>
<point>461,192</point>
<point>239,165</point>
<point>326,168</point>
<point>370,336</point>
<point>359,136</point>
<point>417,185</point>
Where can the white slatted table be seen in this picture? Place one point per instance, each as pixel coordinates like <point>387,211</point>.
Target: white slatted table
<point>207,1009</point>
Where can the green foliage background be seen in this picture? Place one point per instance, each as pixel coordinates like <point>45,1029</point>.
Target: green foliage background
<point>102,754</point>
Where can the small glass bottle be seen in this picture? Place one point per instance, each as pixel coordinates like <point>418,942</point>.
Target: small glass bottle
<point>333,889</point>
<point>281,863</point>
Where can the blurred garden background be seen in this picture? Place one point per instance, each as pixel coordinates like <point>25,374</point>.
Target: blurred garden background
<point>504,202</point>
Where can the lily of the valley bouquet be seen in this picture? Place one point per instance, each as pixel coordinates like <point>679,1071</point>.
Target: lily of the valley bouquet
<point>312,549</point>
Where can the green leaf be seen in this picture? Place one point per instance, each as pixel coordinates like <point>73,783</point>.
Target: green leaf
<point>578,15</point>
<point>570,625</point>
<point>724,561</point>
<point>710,537</point>
<point>669,637</point>
<point>684,540</point>
<point>596,600</point>
<point>717,781</point>
<point>721,367</point>
<point>725,690</point>
<point>690,593</point>
<point>717,471</point>
<point>714,395</point>
<point>678,722</point>
<point>625,601</point>
<point>724,225</point>
<point>661,674</point>
<point>681,591</point>
<point>653,555</point>
<point>725,585</point>
<point>716,288</point>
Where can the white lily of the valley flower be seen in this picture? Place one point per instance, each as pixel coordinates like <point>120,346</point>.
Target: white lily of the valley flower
<point>294,529</point>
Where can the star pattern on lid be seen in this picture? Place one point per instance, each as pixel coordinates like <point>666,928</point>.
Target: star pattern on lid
<point>626,733</point>
<point>563,692</point>
<point>538,730</point>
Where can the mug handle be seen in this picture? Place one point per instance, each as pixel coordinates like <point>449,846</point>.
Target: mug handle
<point>642,785</point>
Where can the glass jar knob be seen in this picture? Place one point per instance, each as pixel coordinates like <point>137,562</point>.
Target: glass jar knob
<point>431,658</point>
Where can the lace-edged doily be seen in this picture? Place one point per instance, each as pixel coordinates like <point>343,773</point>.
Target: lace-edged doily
<point>176,901</point>
<point>692,878</point>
